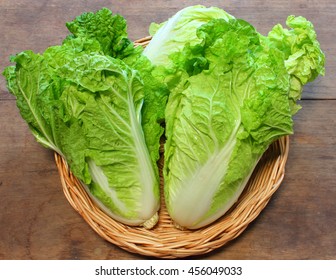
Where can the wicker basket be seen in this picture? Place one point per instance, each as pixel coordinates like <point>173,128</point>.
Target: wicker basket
<point>164,240</point>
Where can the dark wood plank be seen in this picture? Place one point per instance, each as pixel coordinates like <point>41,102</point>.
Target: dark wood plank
<point>36,221</point>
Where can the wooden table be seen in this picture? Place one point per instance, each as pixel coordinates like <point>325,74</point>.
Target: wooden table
<point>37,222</point>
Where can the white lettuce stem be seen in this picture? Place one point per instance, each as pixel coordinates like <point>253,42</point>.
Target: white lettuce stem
<point>146,203</point>
<point>147,177</point>
<point>195,194</point>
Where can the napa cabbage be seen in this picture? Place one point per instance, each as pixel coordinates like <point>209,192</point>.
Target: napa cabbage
<point>94,101</point>
<point>233,93</point>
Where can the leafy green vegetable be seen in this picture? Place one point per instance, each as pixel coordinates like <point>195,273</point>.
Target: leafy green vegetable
<point>85,99</point>
<point>304,59</point>
<point>119,163</point>
<point>231,101</point>
<point>172,35</point>
<point>111,34</point>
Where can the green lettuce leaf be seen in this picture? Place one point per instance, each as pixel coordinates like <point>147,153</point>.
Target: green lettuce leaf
<point>172,35</point>
<point>36,98</point>
<point>109,29</point>
<point>111,37</point>
<point>304,59</point>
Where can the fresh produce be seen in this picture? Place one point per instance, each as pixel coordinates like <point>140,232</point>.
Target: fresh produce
<point>172,35</point>
<point>90,101</point>
<point>217,91</point>
<point>233,92</point>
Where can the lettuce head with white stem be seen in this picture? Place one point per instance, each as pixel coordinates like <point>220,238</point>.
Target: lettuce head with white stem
<point>235,95</point>
<point>94,101</point>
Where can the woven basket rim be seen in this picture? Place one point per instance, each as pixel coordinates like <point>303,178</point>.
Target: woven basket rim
<point>164,240</point>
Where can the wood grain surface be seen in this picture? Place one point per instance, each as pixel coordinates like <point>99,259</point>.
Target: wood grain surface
<point>37,222</point>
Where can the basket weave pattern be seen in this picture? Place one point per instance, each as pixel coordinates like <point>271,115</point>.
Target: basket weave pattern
<point>164,240</point>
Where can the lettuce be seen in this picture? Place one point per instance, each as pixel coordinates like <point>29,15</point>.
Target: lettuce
<point>230,99</point>
<point>89,101</point>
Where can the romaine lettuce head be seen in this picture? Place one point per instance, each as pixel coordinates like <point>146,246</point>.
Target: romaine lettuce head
<point>229,104</point>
